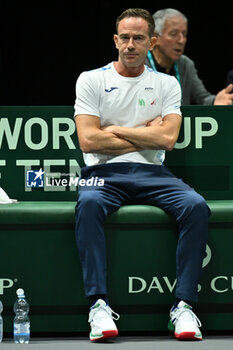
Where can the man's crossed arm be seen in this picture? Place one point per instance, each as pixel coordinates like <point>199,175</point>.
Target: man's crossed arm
<point>160,133</point>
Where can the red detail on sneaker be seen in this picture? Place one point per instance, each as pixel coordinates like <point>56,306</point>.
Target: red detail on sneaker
<point>187,336</point>
<point>106,334</point>
<point>110,334</point>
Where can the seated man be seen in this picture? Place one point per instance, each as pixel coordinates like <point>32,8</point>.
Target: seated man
<point>171,28</point>
<point>127,115</point>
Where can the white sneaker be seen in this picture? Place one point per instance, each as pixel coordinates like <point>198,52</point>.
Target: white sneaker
<point>184,323</point>
<point>101,321</point>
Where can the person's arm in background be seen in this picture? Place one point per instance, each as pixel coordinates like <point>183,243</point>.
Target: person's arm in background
<point>193,89</point>
<point>224,97</point>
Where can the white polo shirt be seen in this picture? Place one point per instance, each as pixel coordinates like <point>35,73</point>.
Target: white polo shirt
<point>126,101</point>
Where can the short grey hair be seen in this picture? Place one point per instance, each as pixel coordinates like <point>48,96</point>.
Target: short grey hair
<point>161,16</point>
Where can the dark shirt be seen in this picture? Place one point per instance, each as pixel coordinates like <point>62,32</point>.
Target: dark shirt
<point>162,69</point>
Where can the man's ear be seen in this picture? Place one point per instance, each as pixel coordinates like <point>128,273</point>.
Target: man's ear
<point>115,38</point>
<point>153,41</point>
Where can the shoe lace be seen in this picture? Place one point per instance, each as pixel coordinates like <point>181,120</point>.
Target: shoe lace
<point>115,316</point>
<point>188,315</point>
<point>103,312</point>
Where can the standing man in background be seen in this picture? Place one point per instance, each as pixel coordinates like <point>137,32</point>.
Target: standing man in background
<point>171,28</point>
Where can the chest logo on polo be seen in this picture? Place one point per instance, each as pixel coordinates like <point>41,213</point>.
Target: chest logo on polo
<point>141,102</point>
<point>111,89</point>
<point>153,102</point>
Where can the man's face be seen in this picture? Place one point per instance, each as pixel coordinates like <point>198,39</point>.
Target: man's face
<point>171,43</point>
<point>133,41</point>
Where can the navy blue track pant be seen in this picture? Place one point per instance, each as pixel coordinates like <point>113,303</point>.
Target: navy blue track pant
<point>136,183</point>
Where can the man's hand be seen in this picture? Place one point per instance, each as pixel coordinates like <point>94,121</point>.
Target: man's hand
<point>224,97</point>
<point>157,121</point>
<point>109,128</point>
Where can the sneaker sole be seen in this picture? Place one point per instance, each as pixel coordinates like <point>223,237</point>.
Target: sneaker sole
<point>187,336</point>
<point>104,335</point>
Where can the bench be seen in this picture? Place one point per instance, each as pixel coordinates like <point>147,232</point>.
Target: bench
<point>37,243</point>
<point>37,240</point>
